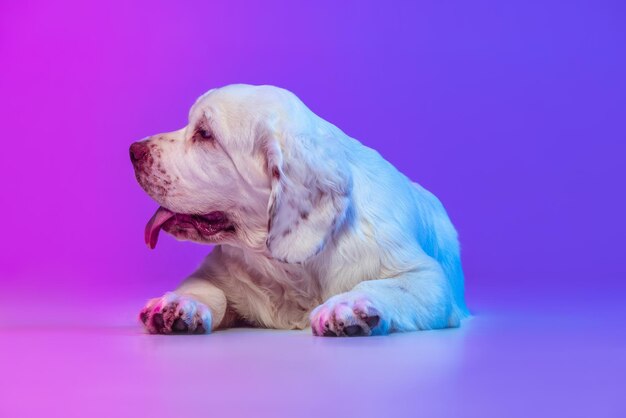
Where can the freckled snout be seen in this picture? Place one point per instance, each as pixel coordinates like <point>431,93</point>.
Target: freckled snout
<point>138,152</point>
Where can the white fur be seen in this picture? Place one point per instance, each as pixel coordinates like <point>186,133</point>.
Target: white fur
<point>350,241</point>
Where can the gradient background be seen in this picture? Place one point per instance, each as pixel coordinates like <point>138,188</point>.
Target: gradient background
<point>512,113</point>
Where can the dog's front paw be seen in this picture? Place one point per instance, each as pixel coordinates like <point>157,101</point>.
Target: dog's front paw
<point>174,314</point>
<point>349,314</point>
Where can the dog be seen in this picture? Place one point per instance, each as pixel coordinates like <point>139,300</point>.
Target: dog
<point>309,226</point>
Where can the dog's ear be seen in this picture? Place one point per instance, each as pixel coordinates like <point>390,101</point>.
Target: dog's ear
<point>310,194</point>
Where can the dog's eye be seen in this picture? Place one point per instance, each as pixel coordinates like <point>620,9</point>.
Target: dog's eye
<point>203,134</point>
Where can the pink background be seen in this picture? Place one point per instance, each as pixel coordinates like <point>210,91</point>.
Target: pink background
<point>513,116</point>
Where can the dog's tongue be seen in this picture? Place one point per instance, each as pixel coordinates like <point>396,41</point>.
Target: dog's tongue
<point>154,226</point>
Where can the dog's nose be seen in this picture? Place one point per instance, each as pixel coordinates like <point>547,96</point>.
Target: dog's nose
<point>138,151</point>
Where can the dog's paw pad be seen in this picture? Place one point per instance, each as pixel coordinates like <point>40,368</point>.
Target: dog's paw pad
<point>348,314</point>
<point>174,314</point>
<point>157,321</point>
<point>179,326</point>
<point>353,330</point>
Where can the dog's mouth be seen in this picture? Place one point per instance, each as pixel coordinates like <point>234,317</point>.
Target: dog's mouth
<point>199,226</point>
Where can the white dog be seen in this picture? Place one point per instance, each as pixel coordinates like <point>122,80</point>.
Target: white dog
<point>313,228</point>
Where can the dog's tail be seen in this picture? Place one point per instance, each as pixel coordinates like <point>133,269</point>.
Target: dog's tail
<point>440,240</point>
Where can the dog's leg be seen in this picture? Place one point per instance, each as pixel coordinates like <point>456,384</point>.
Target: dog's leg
<point>197,306</point>
<point>416,300</point>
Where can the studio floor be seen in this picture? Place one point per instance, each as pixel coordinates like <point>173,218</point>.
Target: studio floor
<point>93,360</point>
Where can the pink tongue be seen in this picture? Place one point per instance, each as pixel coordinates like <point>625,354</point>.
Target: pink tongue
<point>154,226</point>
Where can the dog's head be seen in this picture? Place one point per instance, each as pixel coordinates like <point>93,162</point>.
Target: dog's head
<point>254,167</point>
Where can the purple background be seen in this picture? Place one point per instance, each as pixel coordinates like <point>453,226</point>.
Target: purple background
<point>513,114</point>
